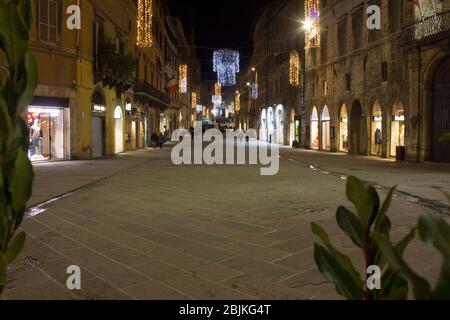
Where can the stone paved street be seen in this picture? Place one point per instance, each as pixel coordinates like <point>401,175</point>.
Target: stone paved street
<point>141,228</point>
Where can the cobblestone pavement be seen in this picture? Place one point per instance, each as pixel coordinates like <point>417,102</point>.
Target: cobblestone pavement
<point>142,228</point>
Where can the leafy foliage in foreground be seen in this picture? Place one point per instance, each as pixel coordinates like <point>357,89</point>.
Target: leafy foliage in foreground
<point>369,229</point>
<point>18,80</point>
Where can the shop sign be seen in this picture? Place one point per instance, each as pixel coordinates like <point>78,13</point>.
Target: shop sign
<point>98,108</point>
<point>377,118</point>
<point>398,118</point>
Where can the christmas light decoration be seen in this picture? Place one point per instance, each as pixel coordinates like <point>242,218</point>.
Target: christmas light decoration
<point>294,69</point>
<point>217,100</point>
<point>194,100</point>
<point>144,23</point>
<point>218,89</point>
<point>312,24</point>
<point>182,76</point>
<point>237,102</point>
<point>226,64</point>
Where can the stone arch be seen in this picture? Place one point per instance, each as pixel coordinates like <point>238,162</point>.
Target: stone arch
<point>314,134</point>
<point>357,126</point>
<point>439,123</point>
<point>325,120</point>
<point>376,128</point>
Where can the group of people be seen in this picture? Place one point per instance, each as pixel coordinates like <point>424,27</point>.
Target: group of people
<point>157,140</point>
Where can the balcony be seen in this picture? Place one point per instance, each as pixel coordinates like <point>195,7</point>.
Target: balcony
<point>148,94</point>
<point>428,29</point>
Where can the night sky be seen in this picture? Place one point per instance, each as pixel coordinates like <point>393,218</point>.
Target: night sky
<point>219,24</point>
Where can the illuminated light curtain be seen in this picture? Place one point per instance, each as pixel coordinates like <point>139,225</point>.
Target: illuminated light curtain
<point>294,69</point>
<point>237,102</point>
<point>194,100</point>
<point>254,88</point>
<point>182,73</point>
<point>217,100</point>
<point>226,64</point>
<point>312,24</point>
<point>144,24</point>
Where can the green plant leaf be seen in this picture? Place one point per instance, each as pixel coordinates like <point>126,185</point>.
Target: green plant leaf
<point>420,286</point>
<point>15,247</point>
<point>343,260</point>
<point>330,267</point>
<point>21,179</point>
<point>365,199</point>
<point>351,225</point>
<point>13,34</point>
<point>394,287</point>
<point>3,269</point>
<point>27,13</point>
<point>384,209</point>
<point>442,289</point>
<point>436,232</point>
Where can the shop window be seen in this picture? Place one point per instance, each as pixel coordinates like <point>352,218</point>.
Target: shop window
<point>315,143</point>
<point>376,130</point>
<point>397,128</point>
<point>326,141</point>
<point>48,20</point>
<point>343,129</point>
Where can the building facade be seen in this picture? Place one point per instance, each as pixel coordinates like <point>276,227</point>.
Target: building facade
<point>100,94</point>
<point>272,86</point>
<point>381,92</point>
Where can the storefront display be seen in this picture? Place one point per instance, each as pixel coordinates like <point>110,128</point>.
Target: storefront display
<point>48,132</point>
<point>376,130</point>
<point>397,133</point>
<point>315,143</point>
<point>326,141</point>
<point>343,130</point>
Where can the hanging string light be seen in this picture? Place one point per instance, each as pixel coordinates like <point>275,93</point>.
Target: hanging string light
<point>237,102</point>
<point>226,64</point>
<point>294,69</point>
<point>194,100</point>
<point>182,74</point>
<point>218,89</point>
<point>312,24</point>
<point>144,23</point>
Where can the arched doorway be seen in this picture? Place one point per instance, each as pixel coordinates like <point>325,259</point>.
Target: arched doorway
<point>118,129</point>
<point>98,124</point>
<point>270,125</point>
<point>376,136</point>
<point>325,119</point>
<point>263,130</point>
<point>440,151</point>
<point>357,127</point>
<point>315,144</point>
<point>397,127</point>
<point>343,129</point>
<point>292,129</point>
<point>279,124</point>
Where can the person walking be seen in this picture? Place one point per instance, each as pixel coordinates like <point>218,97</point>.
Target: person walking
<point>154,139</point>
<point>161,140</point>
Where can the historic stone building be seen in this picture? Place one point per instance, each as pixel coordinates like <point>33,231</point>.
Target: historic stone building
<point>100,94</point>
<point>272,98</point>
<point>380,92</point>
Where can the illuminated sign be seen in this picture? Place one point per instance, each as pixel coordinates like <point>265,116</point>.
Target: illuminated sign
<point>99,108</point>
<point>399,118</point>
<point>377,119</point>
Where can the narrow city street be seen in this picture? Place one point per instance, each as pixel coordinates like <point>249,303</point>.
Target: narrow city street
<point>142,228</point>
